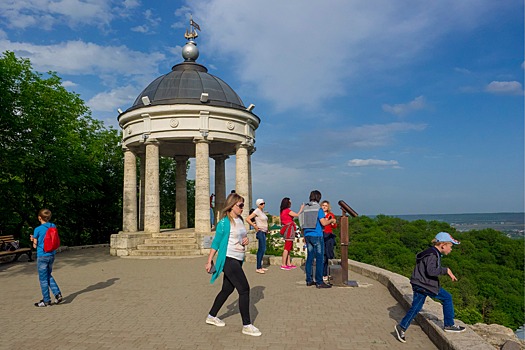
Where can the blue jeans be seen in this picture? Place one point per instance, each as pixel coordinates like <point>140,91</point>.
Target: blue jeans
<point>418,300</point>
<point>329,244</point>
<point>261,237</point>
<point>45,267</point>
<point>315,249</point>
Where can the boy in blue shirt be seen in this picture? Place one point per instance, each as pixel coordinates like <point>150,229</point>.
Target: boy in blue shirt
<point>45,261</point>
<point>425,282</point>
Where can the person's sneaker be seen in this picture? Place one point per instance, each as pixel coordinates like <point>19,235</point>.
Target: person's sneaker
<point>43,303</point>
<point>58,298</point>
<point>308,284</point>
<point>455,328</point>
<point>400,333</point>
<point>286,268</point>
<point>251,330</point>
<point>291,267</point>
<point>215,321</point>
<point>323,285</point>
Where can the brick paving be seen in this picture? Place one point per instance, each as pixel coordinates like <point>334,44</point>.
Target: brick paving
<point>118,303</point>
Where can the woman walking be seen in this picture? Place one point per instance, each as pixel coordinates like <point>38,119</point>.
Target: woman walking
<point>261,227</point>
<point>288,230</point>
<point>230,242</point>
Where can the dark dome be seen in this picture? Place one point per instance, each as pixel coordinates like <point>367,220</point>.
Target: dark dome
<point>184,85</point>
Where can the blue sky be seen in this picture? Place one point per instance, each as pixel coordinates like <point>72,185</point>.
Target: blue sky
<point>395,107</point>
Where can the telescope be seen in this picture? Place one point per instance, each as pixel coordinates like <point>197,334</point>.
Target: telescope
<point>347,209</point>
<point>339,273</point>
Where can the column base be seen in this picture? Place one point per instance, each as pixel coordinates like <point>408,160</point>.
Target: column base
<point>122,243</point>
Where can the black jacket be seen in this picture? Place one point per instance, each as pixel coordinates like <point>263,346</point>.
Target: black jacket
<point>428,268</point>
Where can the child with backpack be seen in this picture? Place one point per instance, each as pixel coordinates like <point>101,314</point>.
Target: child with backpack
<point>425,283</point>
<point>45,240</point>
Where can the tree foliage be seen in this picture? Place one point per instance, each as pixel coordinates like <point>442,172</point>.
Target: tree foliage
<point>54,155</point>
<point>488,264</point>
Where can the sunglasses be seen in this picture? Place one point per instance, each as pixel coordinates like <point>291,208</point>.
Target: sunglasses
<point>241,206</point>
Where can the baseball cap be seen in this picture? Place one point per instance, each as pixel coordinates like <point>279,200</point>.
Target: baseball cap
<point>259,201</point>
<point>446,237</point>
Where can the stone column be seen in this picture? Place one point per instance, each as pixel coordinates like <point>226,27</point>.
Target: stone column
<point>129,200</point>
<point>220,185</point>
<point>142,187</point>
<point>242,174</point>
<point>250,152</point>
<point>151,191</point>
<point>181,200</point>
<point>202,186</point>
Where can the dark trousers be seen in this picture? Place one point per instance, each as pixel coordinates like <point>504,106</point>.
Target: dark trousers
<point>329,244</point>
<point>234,278</point>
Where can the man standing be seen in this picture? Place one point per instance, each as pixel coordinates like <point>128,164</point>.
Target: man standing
<point>313,220</point>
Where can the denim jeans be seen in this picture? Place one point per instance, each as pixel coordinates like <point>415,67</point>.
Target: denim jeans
<point>45,267</point>
<point>261,237</point>
<point>418,300</point>
<point>329,244</point>
<point>315,249</point>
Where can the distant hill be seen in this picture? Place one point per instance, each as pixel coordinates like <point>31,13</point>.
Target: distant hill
<point>512,224</point>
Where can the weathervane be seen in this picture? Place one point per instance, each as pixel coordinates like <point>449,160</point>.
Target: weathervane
<point>192,34</point>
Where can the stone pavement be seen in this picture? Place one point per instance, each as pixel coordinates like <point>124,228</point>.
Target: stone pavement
<point>116,303</point>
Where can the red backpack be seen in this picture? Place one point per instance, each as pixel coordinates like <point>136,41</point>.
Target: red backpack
<point>51,239</point>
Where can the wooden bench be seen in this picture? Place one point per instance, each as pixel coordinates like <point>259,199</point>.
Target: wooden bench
<point>16,253</point>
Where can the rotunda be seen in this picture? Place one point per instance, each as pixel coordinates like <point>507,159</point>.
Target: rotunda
<point>186,113</point>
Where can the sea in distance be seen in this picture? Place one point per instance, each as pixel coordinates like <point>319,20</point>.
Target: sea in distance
<point>512,224</point>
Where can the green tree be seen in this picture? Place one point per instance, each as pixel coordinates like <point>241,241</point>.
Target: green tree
<point>54,155</point>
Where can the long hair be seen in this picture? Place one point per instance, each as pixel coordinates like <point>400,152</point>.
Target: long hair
<point>329,206</point>
<point>232,199</point>
<point>315,196</point>
<point>45,214</point>
<point>285,204</point>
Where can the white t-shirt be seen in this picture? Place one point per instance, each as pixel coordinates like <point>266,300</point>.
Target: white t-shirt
<point>237,232</point>
<point>261,220</point>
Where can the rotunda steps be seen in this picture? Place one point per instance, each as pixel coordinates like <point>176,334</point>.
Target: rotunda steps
<point>168,244</point>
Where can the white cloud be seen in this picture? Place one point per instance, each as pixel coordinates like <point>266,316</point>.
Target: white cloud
<point>110,101</point>
<point>402,109</point>
<point>69,83</point>
<point>294,61</point>
<point>46,13</point>
<point>79,57</point>
<point>373,163</point>
<point>140,29</point>
<point>505,87</point>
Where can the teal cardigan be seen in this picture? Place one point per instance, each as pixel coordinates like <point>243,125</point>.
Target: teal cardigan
<point>220,244</point>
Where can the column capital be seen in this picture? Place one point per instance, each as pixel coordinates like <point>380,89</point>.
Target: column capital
<point>151,141</point>
<point>181,158</point>
<point>220,158</point>
<point>201,140</point>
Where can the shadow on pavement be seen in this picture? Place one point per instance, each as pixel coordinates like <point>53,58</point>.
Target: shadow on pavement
<point>256,294</point>
<point>100,285</point>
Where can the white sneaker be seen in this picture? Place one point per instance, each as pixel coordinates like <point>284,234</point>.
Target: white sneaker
<point>251,330</point>
<point>215,321</point>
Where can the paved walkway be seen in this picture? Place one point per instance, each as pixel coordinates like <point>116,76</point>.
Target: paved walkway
<point>117,303</point>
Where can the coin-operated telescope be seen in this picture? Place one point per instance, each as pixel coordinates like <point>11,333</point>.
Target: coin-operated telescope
<point>339,274</point>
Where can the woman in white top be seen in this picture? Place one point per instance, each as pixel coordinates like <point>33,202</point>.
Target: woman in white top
<point>230,245</point>
<point>261,227</point>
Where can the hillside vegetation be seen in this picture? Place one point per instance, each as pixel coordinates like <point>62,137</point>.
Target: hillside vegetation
<point>489,265</point>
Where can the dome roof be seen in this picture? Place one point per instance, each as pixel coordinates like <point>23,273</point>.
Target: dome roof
<point>185,84</point>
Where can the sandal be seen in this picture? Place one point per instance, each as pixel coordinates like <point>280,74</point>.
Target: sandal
<point>260,271</point>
